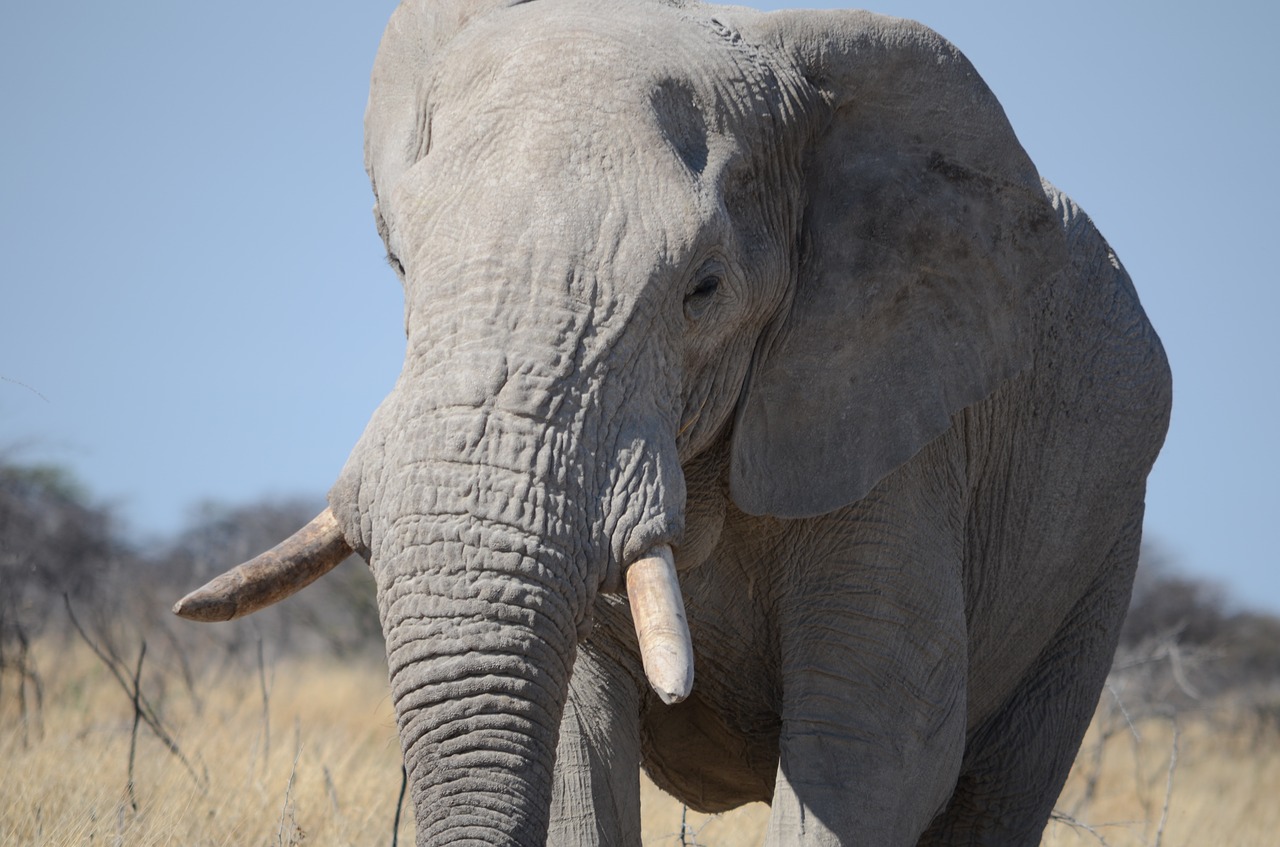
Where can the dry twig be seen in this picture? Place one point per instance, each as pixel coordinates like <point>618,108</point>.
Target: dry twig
<point>395,827</point>
<point>288,789</point>
<point>137,718</point>
<point>1064,818</point>
<point>27,671</point>
<point>1168,787</point>
<point>266,704</point>
<point>143,708</point>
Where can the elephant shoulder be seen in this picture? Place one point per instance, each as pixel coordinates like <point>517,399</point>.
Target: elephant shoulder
<point>1095,309</point>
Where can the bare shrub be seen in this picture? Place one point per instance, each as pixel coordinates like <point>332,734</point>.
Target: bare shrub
<point>338,614</point>
<point>1184,643</point>
<point>55,542</point>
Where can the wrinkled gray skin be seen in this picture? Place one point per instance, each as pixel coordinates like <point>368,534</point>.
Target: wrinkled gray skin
<point>783,291</point>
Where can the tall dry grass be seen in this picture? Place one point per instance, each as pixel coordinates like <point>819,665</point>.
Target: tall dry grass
<point>1208,776</point>
<point>311,757</point>
<point>314,761</point>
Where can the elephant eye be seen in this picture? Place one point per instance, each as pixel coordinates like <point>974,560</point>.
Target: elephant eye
<point>701,295</point>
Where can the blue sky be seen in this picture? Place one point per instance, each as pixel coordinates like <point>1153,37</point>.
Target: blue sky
<point>195,303</point>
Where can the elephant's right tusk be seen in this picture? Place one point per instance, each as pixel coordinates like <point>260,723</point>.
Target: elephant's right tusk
<point>661,627</point>
<point>290,566</point>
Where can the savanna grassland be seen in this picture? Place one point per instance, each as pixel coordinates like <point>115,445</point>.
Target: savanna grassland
<point>121,725</point>
<point>246,750</point>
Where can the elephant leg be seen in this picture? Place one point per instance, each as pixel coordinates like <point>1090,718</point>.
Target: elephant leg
<point>596,796</point>
<point>873,717</point>
<point>1017,762</point>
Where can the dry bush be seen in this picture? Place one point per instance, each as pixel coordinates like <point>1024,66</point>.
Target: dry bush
<point>1202,778</point>
<point>336,616</point>
<point>1202,647</point>
<point>56,542</point>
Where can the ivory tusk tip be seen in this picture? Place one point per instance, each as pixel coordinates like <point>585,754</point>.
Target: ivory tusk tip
<point>200,606</point>
<point>670,698</point>
<point>671,677</point>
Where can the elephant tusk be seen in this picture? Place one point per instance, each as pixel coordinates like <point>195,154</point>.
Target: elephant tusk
<point>661,627</point>
<point>290,566</point>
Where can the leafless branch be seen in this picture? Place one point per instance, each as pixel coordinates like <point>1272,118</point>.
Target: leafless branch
<point>1168,788</point>
<point>137,718</point>
<point>1179,675</point>
<point>332,791</point>
<point>288,788</point>
<point>143,709</point>
<point>266,704</point>
<point>395,827</point>
<point>22,384</point>
<point>1064,818</point>
<point>1128,719</point>
<point>26,671</point>
<point>184,665</point>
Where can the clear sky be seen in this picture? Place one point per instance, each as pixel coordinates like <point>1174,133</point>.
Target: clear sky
<point>195,305</point>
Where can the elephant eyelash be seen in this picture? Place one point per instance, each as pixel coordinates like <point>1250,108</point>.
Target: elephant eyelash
<point>394,262</point>
<point>703,292</point>
<point>706,287</point>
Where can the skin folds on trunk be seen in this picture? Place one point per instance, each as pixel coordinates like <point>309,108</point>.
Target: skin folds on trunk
<point>487,563</point>
<point>487,538</point>
<point>479,654</point>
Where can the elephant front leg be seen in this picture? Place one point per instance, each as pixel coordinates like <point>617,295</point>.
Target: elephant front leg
<point>873,723</point>
<point>596,796</point>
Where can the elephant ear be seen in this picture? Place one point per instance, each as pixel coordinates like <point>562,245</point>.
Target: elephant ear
<point>924,237</point>
<point>395,132</point>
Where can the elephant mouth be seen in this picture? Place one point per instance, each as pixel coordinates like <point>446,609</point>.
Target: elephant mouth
<point>657,606</point>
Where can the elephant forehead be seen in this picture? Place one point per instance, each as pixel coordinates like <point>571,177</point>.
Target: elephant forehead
<point>560,78</point>
<point>591,50</point>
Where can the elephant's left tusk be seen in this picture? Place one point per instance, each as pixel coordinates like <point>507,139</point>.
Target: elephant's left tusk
<point>661,627</point>
<point>290,566</point>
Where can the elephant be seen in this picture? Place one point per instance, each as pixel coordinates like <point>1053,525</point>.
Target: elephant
<point>766,422</point>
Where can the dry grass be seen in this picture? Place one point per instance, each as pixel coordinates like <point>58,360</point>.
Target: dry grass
<point>1209,777</point>
<point>322,767</point>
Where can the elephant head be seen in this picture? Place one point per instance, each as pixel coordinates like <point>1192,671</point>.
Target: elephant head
<point>632,235</point>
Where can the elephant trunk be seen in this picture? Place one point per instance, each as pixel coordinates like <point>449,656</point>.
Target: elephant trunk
<point>486,574</point>
<point>479,653</point>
